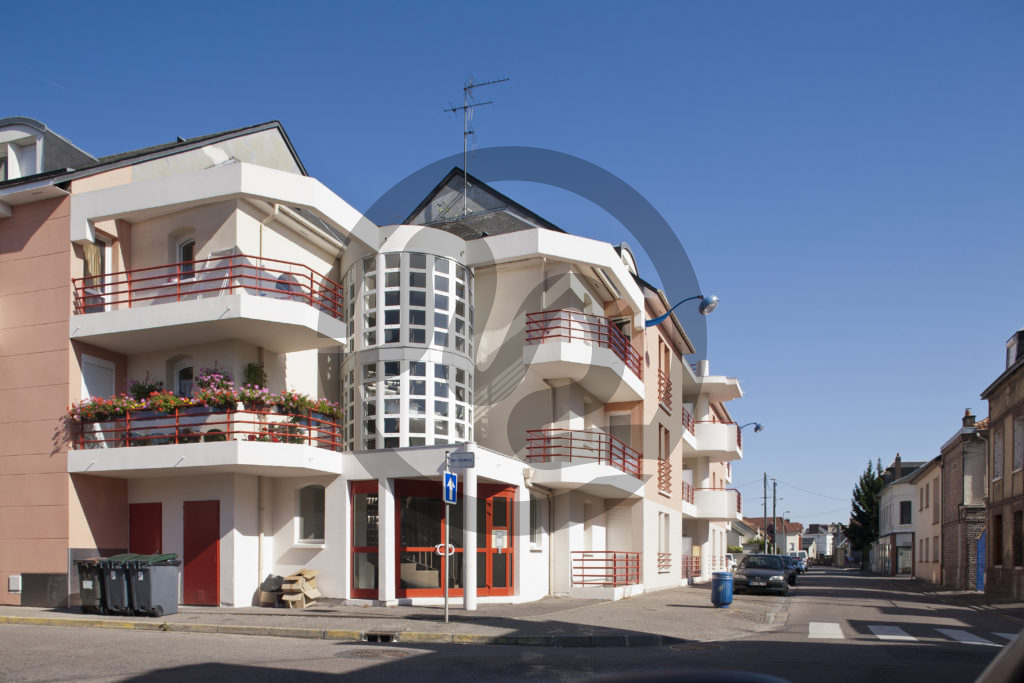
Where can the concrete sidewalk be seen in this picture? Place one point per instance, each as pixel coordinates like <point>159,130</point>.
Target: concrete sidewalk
<point>669,616</point>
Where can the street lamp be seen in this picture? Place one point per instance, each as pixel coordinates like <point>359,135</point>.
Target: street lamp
<point>707,304</point>
<point>758,427</point>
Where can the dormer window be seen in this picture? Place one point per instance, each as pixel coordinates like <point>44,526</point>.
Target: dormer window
<point>17,158</point>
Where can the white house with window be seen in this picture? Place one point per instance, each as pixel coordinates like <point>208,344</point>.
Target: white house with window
<point>895,550</point>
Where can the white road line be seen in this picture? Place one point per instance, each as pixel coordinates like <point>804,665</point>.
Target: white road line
<point>891,633</point>
<point>1007,636</point>
<point>965,637</point>
<point>823,629</point>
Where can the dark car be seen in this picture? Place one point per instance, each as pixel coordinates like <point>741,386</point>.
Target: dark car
<point>762,573</point>
<point>792,568</point>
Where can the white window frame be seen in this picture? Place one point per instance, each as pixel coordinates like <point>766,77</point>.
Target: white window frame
<point>311,542</point>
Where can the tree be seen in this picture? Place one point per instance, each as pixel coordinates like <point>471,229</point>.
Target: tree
<point>863,527</point>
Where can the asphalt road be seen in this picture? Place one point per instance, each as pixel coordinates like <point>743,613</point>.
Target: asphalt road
<point>833,627</point>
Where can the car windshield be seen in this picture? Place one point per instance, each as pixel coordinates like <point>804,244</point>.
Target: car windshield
<point>763,562</point>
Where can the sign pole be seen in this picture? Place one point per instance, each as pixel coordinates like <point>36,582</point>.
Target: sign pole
<point>447,469</point>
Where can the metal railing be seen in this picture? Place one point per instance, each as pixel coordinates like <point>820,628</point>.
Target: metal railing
<point>691,566</point>
<point>544,444</point>
<point>204,424</point>
<point>687,420</point>
<point>605,568</point>
<point>576,326</point>
<point>191,280</point>
<point>664,562</point>
<point>664,390</point>
<point>687,493</point>
<point>664,475</point>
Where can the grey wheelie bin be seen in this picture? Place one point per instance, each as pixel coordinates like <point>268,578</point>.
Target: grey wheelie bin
<point>154,584</point>
<point>90,585</point>
<point>116,588</point>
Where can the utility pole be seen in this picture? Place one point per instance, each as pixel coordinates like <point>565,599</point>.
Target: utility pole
<point>765,499</point>
<point>775,519</point>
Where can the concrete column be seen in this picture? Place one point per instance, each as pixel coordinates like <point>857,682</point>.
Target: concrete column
<point>386,541</point>
<point>469,507</point>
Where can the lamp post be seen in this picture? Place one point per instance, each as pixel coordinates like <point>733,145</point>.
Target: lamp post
<point>758,427</point>
<point>707,304</point>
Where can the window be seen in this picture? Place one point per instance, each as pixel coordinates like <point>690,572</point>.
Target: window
<point>186,258</point>
<point>183,376</point>
<point>905,510</point>
<point>924,550</point>
<point>1018,538</point>
<point>997,452</point>
<point>935,548</point>
<point>663,535</point>
<point>311,514</point>
<point>936,502</point>
<point>536,520</point>
<point>1018,443</point>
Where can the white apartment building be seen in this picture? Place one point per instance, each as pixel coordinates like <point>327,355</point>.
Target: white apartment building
<point>601,455</point>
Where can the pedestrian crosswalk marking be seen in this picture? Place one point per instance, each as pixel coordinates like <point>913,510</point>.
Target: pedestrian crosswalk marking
<point>822,629</point>
<point>965,637</point>
<point>1007,636</point>
<point>890,633</point>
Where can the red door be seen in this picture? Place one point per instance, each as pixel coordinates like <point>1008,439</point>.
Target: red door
<point>145,535</point>
<point>201,571</point>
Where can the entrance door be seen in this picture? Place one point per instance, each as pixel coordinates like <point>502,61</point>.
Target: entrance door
<point>420,527</point>
<point>145,525</point>
<point>495,550</point>
<point>201,571</point>
<point>980,576</point>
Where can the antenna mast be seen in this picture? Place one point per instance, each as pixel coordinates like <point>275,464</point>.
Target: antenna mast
<point>468,104</point>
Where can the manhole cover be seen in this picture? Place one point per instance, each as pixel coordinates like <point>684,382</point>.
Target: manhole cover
<point>696,646</point>
<point>375,653</point>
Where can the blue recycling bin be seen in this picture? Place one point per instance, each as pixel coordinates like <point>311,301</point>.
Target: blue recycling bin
<point>721,589</point>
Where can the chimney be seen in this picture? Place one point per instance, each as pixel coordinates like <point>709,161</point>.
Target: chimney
<point>897,468</point>
<point>968,419</point>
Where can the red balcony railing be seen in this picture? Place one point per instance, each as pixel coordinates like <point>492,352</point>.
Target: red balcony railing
<point>605,568</point>
<point>691,566</point>
<point>664,475</point>
<point>687,420</point>
<point>664,390</point>
<point>573,444</point>
<point>687,493</point>
<point>664,562</point>
<point>203,424</point>
<point>575,326</point>
<point>205,279</point>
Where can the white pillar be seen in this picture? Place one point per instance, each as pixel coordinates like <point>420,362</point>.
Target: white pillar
<point>386,541</point>
<point>469,507</point>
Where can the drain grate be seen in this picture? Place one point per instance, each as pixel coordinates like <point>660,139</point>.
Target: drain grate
<point>696,646</point>
<point>380,637</point>
<point>374,653</point>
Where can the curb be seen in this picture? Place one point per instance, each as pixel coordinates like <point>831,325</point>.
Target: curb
<point>639,640</point>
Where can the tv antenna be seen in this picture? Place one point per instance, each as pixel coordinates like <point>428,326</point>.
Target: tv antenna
<point>468,105</point>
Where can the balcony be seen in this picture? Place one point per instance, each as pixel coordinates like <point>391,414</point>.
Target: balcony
<point>605,568</point>
<point>590,461</point>
<point>718,441</point>
<point>279,305</point>
<point>202,440</point>
<point>718,505</point>
<point>691,566</point>
<point>587,349</point>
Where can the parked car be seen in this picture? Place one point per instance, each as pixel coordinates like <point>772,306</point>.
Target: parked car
<point>792,568</point>
<point>802,559</point>
<point>730,562</point>
<point>761,573</point>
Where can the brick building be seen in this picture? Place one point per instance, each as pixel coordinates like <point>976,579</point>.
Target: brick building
<point>963,504</point>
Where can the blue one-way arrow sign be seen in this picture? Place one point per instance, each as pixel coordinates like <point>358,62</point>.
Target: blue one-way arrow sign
<point>451,487</point>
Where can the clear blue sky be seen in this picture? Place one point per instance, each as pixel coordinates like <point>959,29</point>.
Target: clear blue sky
<point>847,177</point>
